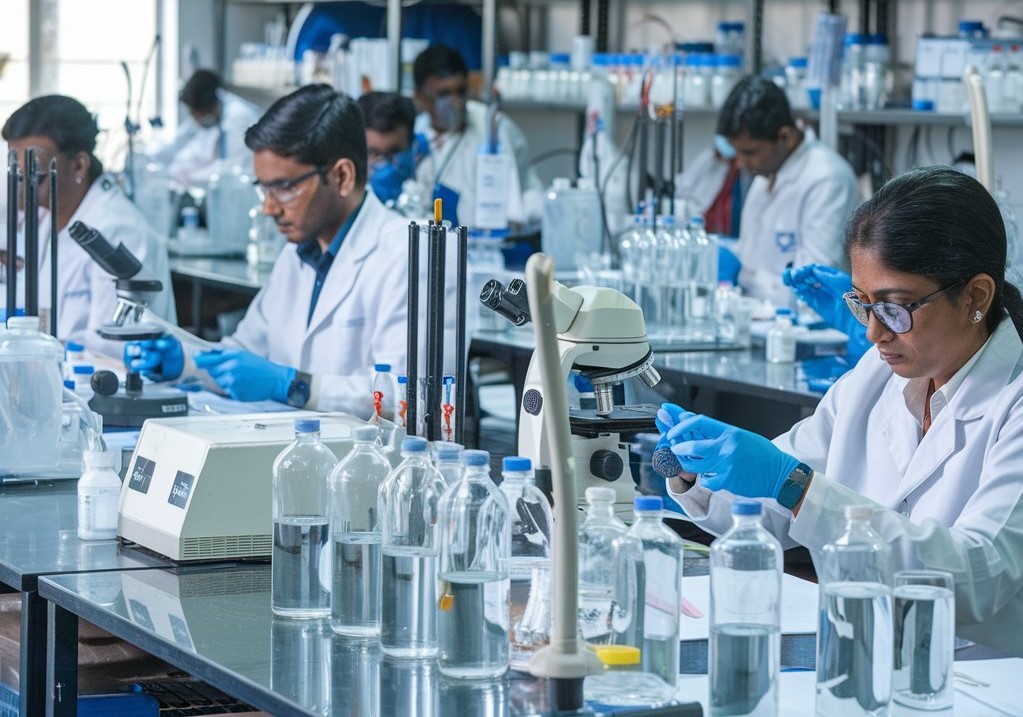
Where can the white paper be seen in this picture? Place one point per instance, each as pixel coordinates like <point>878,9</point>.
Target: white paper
<point>798,606</point>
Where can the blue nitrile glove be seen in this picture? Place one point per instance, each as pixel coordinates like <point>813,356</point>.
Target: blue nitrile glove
<point>159,359</point>
<point>728,265</point>
<point>730,458</point>
<point>822,289</point>
<point>667,416</point>
<point>245,376</point>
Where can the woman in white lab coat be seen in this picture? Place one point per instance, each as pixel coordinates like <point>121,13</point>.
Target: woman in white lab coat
<point>61,127</point>
<point>927,429</point>
<point>336,300</point>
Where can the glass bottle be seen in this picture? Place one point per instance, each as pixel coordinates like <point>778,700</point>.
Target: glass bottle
<point>781,338</point>
<point>407,505</point>
<point>855,633</point>
<point>530,566</point>
<point>605,605</point>
<point>447,458</point>
<point>301,496</point>
<point>745,616</point>
<point>355,535</point>
<point>383,393</point>
<point>662,567</point>
<point>475,547</point>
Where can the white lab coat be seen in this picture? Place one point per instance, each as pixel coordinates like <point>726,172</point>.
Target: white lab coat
<point>193,155</point>
<point>800,220</point>
<point>86,298</point>
<point>952,500</point>
<point>701,181</point>
<point>452,162</point>
<point>359,318</point>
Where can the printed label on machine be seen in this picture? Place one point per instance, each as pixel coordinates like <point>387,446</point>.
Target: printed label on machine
<point>181,489</point>
<point>142,474</point>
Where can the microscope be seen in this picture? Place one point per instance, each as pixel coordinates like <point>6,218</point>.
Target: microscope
<point>132,405</point>
<point>602,335</point>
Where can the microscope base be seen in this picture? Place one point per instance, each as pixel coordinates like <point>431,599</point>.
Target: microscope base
<point>128,411</point>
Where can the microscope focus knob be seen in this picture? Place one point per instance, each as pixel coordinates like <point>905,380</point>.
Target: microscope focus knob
<point>532,402</point>
<point>104,383</point>
<point>606,465</point>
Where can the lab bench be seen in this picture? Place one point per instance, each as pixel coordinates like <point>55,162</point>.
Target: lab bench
<point>38,536</point>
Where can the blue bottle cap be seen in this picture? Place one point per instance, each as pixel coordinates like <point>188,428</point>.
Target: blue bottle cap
<point>83,368</point>
<point>307,425</point>
<point>476,458</point>
<point>72,346</point>
<point>447,451</point>
<point>402,378</point>
<point>648,503</point>
<point>797,62</point>
<point>784,311</point>
<point>366,433</point>
<point>69,384</point>
<point>744,506</point>
<point>381,367</point>
<point>923,105</point>
<point>516,463</point>
<point>413,444</point>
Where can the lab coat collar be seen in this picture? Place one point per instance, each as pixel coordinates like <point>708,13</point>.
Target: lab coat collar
<point>997,364</point>
<point>358,244</point>
<point>794,165</point>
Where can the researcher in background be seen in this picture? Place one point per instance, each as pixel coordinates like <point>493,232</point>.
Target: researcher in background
<point>927,429</point>
<point>456,129</point>
<point>61,128</point>
<point>800,197</point>
<point>714,186</point>
<point>336,300</point>
<point>213,134</point>
<point>392,149</point>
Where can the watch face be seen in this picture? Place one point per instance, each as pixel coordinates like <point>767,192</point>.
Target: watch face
<point>298,393</point>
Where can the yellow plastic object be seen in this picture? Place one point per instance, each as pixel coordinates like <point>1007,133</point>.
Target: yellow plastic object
<point>617,655</point>
<point>437,211</point>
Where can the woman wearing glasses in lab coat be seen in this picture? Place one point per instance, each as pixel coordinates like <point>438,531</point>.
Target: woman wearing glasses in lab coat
<point>927,429</point>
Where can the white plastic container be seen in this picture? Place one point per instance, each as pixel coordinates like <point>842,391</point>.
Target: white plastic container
<point>781,339</point>
<point>727,71</point>
<point>99,490</point>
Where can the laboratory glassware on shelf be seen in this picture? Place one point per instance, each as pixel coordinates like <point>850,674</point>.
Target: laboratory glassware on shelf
<point>355,536</point>
<point>745,616</point>
<point>407,506</point>
<point>472,575</point>
<point>855,638</point>
<point>530,566</point>
<point>447,459</point>
<point>301,525</point>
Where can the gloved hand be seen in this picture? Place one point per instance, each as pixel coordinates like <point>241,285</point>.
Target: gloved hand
<point>822,288</point>
<point>245,376</point>
<point>729,458</point>
<point>728,265</point>
<point>667,416</point>
<point>159,359</point>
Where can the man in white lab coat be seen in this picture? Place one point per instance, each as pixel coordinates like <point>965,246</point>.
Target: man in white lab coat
<point>800,198</point>
<point>926,430</point>
<point>61,128</point>
<point>213,134</point>
<point>456,130</point>
<point>336,300</point>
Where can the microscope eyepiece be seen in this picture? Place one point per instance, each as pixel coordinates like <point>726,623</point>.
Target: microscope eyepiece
<point>510,302</point>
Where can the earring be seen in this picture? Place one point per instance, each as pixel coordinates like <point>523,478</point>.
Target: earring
<point>78,180</point>
<point>976,317</point>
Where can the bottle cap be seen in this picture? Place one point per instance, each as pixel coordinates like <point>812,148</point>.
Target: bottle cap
<point>798,62</point>
<point>648,503</point>
<point>307,425</point>
<point>72,346</point>
<point>923,105</point>
<point>23,323</point>
<point>402,379</point>
<point>746,507</point>
<point>84,368</point>
<point>413,444</point>
<point>366,434</point>
<point>614,655</point>
<point>447,451</point>
<point>99,459</point>
<point>381,367</point>
<point>784,311</point>
<point>69,384</point>
<point>476,458</point>
<point>516,464</point>
<point>600,494</point>
<point>858,512</point>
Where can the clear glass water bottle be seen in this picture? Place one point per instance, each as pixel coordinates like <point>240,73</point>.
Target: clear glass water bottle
<point>355,534</point>
<point>530,567</point>
<point>781,337</point>
<point>383,393</point>
<point>662,564</point>
<point>703,248</point>
<point>407,505</point>
<point>606,605</point>
<point>745,616</point>
<point>301,496</point>
<point>475,548</point>
<point>855,633</point>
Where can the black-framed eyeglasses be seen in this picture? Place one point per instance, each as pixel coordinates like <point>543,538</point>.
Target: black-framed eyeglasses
<point>283,191</point>
<point>898,318</point>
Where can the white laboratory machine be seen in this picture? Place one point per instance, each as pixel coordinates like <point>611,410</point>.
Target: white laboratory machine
<point>199,487</point>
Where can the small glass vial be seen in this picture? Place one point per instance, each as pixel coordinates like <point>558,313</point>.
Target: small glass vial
<point>99,491</point>
<point>781,338</point>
